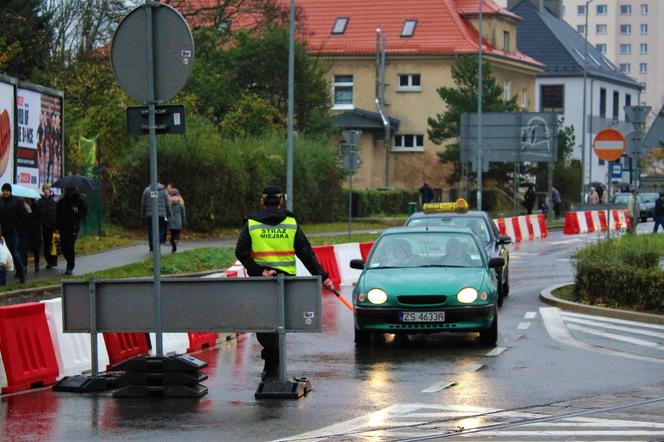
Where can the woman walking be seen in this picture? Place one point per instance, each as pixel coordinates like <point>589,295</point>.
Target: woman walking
<point>178,217</point>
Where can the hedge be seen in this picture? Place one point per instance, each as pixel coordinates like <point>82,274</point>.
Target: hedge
<point>622,272</point>
<point>382,202</point>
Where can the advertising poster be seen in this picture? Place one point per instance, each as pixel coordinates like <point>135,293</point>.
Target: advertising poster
<point>49,140</point>
<point>6,132</point>
<point>28,108</point>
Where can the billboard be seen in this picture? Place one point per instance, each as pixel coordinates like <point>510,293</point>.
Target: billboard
<point>39,155</point>
<point>7,135</point>
<point>510,136</point>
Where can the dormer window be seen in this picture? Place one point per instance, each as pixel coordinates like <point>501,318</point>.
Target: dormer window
<point>408,28</point>
<point>340,25</point>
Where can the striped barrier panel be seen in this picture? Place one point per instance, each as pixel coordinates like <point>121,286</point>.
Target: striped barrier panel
<point>592,221</point>
<point>523,228</point>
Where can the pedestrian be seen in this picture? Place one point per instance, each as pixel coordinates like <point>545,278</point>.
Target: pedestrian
<point>556,201</point>
<point>31,233</point>
<point>633,210</point>
<point>264,253</point>
<point>12,215</point>
<point>69,211</point>
<point>659,212</point>
<point>178,217</point>
<point>529,199</point>
<point>593,196</point>
<point>163,212</point>
<point>47,207</point>
<point>426,193</point>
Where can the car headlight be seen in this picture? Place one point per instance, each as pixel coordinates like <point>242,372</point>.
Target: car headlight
<point>467,295</point>
<point>377,296</point>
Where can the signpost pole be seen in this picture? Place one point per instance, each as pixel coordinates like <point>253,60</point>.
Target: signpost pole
<point>350,199</point>
<point>291,93</point>
<point>479,116</point>
<point>154,194</point>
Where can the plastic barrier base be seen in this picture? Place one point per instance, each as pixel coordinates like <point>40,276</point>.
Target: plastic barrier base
<point>276,389</point>
<point>91,384</point>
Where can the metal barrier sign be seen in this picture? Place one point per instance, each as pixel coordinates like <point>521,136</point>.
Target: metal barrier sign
<point>193,305</point>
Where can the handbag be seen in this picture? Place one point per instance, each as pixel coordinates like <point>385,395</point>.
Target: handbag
<point>6,260</point>
<point>55,244</point>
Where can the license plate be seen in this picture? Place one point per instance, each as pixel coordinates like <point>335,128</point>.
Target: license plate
<point>422,316</point>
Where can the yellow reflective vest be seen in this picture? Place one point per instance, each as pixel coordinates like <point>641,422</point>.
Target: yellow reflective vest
<point>274,246</point>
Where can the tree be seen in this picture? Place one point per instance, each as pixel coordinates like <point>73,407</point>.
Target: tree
<point>463,98</point>
<point>252,116</point>
<point>24,38</point>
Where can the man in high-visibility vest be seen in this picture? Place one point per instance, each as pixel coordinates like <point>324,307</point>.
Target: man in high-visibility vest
<point>267,246</point>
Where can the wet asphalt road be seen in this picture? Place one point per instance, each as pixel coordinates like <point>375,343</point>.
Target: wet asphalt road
<point>528,368</point>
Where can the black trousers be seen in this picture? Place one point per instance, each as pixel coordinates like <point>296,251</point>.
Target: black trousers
<point>47,236</point>
<point>68,245</point>
<point>175,237</point>
<point>270,343</point>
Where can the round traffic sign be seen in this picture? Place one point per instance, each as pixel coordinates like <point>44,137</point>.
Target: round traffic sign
<point>173,52</point>
<point>609,144</point>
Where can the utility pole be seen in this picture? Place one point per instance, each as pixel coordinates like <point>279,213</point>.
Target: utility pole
<point>479,116</point>
<point>291,94</point>
<point>584,113</point>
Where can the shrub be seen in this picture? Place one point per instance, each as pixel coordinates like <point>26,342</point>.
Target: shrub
<point>387,202</point>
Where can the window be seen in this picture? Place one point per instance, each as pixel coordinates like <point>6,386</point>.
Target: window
<point>409,142</point>
<point>507,90</point>
<point>602,103</point>
<point>625,29</point>
<point>616,104</point>
<point>643,68</point>
<point>625,9</point>
<point>601,47</point>
<point>408,28</point>
<point>625,68</point>
<point>340,25</point>
<point>644,48</point>
<point>581,29</point>
<point>409,82</point>
<point>553,98</point>
<point>506,40</point>
<point>644,29</point>
<point>343,92</point>
<point>625,49</point>
<point>628,100</point>
<point>600,29</point>
<point>601,9</point>
<point>644,9</point>
<point>524,98</point>
<point>581,10</point>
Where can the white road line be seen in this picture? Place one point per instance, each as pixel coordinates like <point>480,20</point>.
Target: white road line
<point>473,368</point>
<point>496,351</point>
<point>568,434</point>
<point>614,327</point>
<point>523,325</point>
<point>530,315</point>
<point>439,386</point>
<point>556,328</point>
<point>616,337</point>
<point>614,320</point>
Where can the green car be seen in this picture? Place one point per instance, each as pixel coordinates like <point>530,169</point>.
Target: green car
<point>426,280</point>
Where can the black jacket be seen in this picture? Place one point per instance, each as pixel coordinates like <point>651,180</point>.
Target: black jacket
<point>303,250</point>
<point>12,213</point>
<point>47,209</point>
<point>659,207</point>
<point>66,218</point>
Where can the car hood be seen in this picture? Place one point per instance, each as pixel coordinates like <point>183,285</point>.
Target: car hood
<point>423,281</point>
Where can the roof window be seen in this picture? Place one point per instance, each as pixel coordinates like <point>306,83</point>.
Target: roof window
<point>408,28</point>
<point>340,25</point>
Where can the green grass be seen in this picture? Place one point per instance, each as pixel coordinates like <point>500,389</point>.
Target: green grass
<point>566,293</point>
<point>341,239</point>
<point>93,244</point>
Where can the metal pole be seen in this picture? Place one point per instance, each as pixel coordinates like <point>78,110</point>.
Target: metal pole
<point>154,194</point>
<point>93,326</point>
<point>479,116</point>
<point>350,198</point>
<point>281,330</point>
<point>639,125</point>
<point>583,115</point>
<point>291,94</point>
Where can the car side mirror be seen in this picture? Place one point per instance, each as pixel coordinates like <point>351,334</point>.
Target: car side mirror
<point>496,262</point>
<point>358,264</point>
<point>504,240</point>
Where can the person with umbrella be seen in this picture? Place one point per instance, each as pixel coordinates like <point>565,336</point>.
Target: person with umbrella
<point>12,214</point>
<point>47,208</point>
<point>69,211</point>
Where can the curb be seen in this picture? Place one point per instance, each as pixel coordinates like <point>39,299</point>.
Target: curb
<point>547,297</point>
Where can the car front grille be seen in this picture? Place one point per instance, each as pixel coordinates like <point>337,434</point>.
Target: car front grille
<point>422,299</point>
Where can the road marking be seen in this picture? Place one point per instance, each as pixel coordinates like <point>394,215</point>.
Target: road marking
<point>530,315</point>
<point>616,337</point>
<point>523,325</point>
<point>614,327</point>
<point>439,386</point>
<point>473,368</point>
<point>614,320</point>
<point>496,351</point>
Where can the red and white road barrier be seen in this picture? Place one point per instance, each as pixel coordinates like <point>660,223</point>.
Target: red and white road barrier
<point>523,228</point>
<point>590,221</point>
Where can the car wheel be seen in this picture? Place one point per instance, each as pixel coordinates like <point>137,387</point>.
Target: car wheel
<point>506,284</point>
<point>490,335</point>
<point>500,297</point>
<point>362,338</point>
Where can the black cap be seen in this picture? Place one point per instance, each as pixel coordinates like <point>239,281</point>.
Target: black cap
<point>272,195</point>
<point>6,186</point>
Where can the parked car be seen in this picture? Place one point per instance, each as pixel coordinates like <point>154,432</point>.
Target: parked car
<point>646,208</point>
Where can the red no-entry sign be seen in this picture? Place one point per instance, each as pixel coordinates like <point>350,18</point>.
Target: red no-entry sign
<point>609,144</point>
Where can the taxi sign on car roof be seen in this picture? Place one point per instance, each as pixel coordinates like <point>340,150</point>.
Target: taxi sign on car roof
<point>460,205</point>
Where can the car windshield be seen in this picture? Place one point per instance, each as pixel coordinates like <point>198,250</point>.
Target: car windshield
<point>426,249</point>
<point>621,199</point>
<point>649,197</point>
<point>475,224</point>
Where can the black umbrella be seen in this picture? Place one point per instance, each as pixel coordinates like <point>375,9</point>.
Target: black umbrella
<point>77,181</point>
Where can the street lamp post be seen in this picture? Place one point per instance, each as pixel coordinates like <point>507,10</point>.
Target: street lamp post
<point>479,116</point>
<point>291,93</point>
<point>584,116</point>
